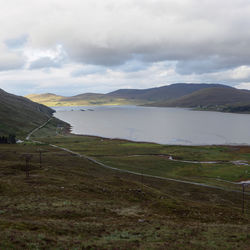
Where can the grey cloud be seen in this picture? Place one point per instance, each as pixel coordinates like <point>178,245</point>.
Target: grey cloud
<point>193,58</point>
<point>210,64</point>
<point>11,65</point>
<point>88,70</point>
<point>98,55</point>
<point>132,66</point>
<point>201,66</point>
<point>203,36</point>
<point>11,62</point>
<point>45,62</point>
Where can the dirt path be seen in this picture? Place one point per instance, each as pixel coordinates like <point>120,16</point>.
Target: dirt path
<point>171,158</point>
<point>145,175</point>
<point>36,129</point>
<point>132,172</point>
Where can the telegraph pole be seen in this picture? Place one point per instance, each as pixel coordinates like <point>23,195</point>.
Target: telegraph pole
<point>40,152</point>
<point>243,198</point>
<point>244,185</point>
<point>141,179</point>
<point>27,158</point>
<point>40,157</point>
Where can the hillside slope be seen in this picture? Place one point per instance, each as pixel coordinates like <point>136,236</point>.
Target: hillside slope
<point>20,115</point>
<point>80,100</point>
<point>221,98</point>
<point>44,98</point>
<point>165,93</point>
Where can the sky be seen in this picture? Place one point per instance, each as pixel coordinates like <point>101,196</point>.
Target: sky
<point>76,46</point>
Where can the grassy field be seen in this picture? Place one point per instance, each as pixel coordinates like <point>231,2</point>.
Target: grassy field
<point>153,159</point>
<point>72,203</point>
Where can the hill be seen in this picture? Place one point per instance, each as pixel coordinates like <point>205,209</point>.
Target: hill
<point>43,98</point>
<point>123,96</point>
<point>165,93</point>
<point>223,99</point>
<point>20,115</point>
<point>85,99</point>
<point>200,96</point>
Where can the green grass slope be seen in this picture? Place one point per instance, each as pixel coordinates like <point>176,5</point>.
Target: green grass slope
<point>43,98</point>
<point>20,115</point>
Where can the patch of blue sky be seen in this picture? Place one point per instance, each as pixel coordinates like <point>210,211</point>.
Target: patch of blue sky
<point>17,42</point>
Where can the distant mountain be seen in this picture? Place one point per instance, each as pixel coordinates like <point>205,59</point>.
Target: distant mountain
<point>86,96</point>
<point>49,97</point>
<point>200,96</point>
<point>123,96</point>
<point>81,100</point>
<point>216,98</point>
<point>165,93</point>
<point>19,115</point>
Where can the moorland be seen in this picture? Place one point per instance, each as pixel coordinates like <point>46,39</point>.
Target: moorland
<point>71,202</point>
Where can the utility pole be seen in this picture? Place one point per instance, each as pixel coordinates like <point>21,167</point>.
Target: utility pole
<point>40,157</point>
<point>141,179</point>
<point>40,152</point>
<point>243,197</point>
<point>244,185</point>
<point>27,158</point>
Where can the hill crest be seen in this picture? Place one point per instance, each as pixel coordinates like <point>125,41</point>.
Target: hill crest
<point>19,115</point>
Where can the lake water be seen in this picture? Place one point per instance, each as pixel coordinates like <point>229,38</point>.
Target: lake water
<point>160,125</point>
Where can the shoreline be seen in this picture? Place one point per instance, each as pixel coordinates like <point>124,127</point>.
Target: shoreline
<point>164,144</point>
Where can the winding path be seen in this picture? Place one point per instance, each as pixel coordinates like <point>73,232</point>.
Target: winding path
<point>170,157</point>
<point>36,129</point>
<point>128,171</point>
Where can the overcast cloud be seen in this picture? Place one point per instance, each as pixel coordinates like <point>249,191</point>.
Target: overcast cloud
<point>68,47</point>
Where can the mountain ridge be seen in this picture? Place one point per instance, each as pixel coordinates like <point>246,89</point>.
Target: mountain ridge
<point>195,95</point>
<point>164,92</point>
<point>123,96</point>
<point>220,99</point>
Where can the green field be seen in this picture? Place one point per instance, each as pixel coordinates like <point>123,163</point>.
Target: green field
<point>70,202</point>
<point>153,159</point>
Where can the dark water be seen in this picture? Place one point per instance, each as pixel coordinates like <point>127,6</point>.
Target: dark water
<point>160,125</point>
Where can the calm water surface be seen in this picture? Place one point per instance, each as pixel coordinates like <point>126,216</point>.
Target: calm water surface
<point>160,125</point>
